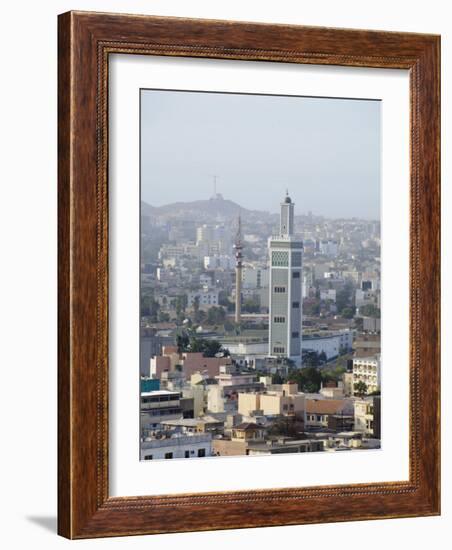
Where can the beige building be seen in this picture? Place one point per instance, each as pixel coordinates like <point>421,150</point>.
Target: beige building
<point>287,401</point>
<point>367,416</point>
<point>347,380</point>
<point>318,411</point>
<point>242,437</point>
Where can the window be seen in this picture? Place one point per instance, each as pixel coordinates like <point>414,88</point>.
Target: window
<point>295,334</point>
<point>296,259</point>
<point>187,454</point>
<point>201,452</point>
<point>295,305</point>
<point>278,349</point>
<point>295,274</point>
<point>148,457</point>
<point>280,259</point>
<point>168,455</point>
<point>280,289</point>
<point>279,319</point>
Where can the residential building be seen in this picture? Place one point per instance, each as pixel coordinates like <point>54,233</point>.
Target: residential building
<point>319,410</point>
<point>367,370</point>
<point>180,446</point>
<point>285,401</point>
<point>157,406</point>
<point>368,416</point>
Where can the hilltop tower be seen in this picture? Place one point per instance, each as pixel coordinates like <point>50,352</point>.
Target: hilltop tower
<point>285,299</point>
<point>238,246</point>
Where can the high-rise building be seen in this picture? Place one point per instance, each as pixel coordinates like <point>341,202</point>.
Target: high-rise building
<point>285,296</point>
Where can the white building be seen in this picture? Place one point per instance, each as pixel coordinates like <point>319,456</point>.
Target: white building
<point>285,298</point>
<point>178,446</point>
<point>328,294</point>
<point>329,248</point>
<point>219,261</point>
<point>206,298</point>
<point>367,370</point>
<point>332,343</point>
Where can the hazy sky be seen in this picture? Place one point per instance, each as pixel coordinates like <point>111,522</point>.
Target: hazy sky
<point>325,151</point>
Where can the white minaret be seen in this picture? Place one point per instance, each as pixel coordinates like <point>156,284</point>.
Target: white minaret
<point>285,299</point>
<point>238,246</point>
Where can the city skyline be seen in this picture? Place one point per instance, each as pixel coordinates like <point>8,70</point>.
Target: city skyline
<point>313,146</point>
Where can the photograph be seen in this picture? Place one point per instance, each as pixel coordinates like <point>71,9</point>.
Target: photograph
<point>260,274</point>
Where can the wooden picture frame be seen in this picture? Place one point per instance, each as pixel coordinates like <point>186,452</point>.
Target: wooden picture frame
<point>86,40</point>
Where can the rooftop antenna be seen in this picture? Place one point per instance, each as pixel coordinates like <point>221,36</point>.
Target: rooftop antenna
<point>214,185</point>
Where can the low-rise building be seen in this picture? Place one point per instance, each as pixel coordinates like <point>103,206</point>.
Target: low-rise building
<point>283,446</point>
<point>318,411</point>
<point>157,406</point>
<point>367,416</point>
<point>179,446</point>
<point>206,298</point>
<point>285,401</point>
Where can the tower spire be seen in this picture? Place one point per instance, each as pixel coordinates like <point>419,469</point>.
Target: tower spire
<point>238,246</point>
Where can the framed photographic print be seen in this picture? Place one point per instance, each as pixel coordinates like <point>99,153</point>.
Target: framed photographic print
<point>248,275</point>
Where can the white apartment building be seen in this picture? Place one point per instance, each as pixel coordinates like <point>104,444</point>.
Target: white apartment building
<point>328,294</point>
<point>219,261</point>
<point>329,248</point>
<point>367,370</point>
<point>206,298</point>
<point>178,446</point>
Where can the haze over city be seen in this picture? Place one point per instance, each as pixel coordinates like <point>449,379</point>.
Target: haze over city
<point>325,151</point>
<point>260,275</point>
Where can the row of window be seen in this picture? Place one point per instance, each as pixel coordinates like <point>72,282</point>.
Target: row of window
<point>281,259</point>
<point>278,349</point>
<point>314,417</point>
<point>201,453</point>
<point>161,398</point>
<point>162,412</point>
<point>280,319</point>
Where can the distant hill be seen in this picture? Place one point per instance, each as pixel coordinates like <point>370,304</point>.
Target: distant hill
<point>212,209</point>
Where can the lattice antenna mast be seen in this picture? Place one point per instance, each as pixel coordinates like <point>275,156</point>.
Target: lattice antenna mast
<point>238,246</point>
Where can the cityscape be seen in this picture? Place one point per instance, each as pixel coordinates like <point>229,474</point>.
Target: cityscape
<point>260,334</point>
<point>260,275</point>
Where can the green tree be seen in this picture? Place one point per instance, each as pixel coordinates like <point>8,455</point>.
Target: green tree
<point>344,296</point>
<point>199,316</point>
<point>209,348</point>
<point>307,378</point>
<point>182,342</point>
<point>163,317</point>
<point>347,313</point>
<point>216,315</point>
<point>251,306</point>
<point>360,388</point>
<point>181,305</point>
<point>370,310</point>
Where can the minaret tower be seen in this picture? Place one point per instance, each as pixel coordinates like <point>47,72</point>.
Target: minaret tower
<point>285,295</point>
<point>238,246</point>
